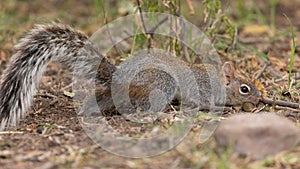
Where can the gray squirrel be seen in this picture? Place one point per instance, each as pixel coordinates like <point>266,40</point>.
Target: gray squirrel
<point>45,43</point>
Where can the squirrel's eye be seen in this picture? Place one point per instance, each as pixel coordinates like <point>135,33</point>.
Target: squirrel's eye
<point>244,89</point>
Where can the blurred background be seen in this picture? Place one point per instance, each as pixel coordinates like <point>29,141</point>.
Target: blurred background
<point>251,33</point>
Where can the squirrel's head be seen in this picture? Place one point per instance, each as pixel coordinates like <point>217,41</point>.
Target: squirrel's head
<point>238,90</point>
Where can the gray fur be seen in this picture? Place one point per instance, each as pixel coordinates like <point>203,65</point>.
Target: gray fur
<point>40,46</point>
<point>58,42</point>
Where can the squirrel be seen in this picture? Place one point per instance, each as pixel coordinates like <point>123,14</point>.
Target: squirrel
<point>45,43</point>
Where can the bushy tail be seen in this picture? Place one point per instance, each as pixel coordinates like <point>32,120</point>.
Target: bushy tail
<point>41,45</point>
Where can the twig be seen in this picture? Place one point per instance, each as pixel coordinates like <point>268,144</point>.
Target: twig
<point>191,7</point>
<point>234,40</point>
<point>184,37</point>
<point>281,103</point>
<point>68,86</point>
<point>273,72</point>
<point>266,64</point>
<point>297,77</point>
<point>152,30</point>
<point>11,132</point>
<point>287,108</point>
<point>46,95</point>
<point>108,31</point>
<point>283,78</point>
<point>170,35</point>
<point>141,16</point>
<point>144,26</point>
<point>259,109</point>
<point>215,108</point>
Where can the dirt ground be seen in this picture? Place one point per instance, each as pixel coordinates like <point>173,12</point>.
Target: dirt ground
<point>51,137</point>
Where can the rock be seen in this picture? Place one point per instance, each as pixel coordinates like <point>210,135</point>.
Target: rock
<point>257,135</point>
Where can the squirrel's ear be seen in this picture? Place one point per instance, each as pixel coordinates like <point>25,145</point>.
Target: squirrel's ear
<point>228,70</point>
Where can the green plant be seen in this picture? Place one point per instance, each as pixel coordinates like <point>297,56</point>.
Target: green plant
<point>252,49</point>
<point>273,4</point>
<point>248,13</point>
<point>218,24</point>
<point>293,49</point>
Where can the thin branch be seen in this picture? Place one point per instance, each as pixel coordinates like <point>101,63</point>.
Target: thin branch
<point>149,38</point>
<point>152,30</point>
<point>215,108</point>
<point>170,35</point>
<point>11,132</point>
<point>141,16</point>
<point>281,103</point>
<point>273,72</point>
<point>46,95</point>
<point>234,41</point>
<point>266,64</point>
<point>108,30</point>
<point>191,7</point>
<point>297,77</point>
<point>287,108</point>
<point>184,39</point>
